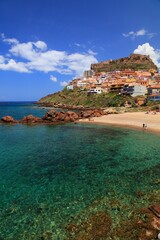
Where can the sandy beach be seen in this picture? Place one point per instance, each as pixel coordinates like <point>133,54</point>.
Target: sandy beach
<point>132,120</point>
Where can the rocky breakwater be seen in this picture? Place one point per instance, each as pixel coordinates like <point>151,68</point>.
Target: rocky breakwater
<point>53,117</point>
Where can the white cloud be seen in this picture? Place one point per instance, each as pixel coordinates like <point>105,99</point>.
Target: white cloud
<point>12,65</point>
<point>41,45</point>
<point>52,78</point>
<point>9,40</point>
<point>36,57</point>
<point>147,49</point>
<point>64,83</point>
<point>141,32</point>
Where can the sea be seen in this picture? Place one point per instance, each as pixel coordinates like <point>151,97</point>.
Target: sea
<point>53,179</point>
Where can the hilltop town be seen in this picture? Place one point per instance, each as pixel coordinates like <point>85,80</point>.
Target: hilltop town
<point>132,76</point>
<point>124,79</point>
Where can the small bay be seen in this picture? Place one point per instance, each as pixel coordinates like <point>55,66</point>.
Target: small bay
<point>53,175</point>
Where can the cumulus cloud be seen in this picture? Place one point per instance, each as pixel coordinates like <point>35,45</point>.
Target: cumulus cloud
<point>52,78</point>
<point>41,45</point>
<point>35,56</point>
<point>64,83</point>
<point>147,49</point>
<point>139,33</point>
<point>12,65</point>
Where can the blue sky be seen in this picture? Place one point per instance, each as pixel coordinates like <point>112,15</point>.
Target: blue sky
<point>46,43</point>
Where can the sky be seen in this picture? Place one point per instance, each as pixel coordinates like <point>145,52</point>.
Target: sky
<point>44,44</point>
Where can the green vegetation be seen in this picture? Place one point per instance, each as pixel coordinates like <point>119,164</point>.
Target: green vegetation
<point>78,97</point>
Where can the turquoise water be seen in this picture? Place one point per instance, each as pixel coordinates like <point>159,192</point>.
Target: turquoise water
<point>53,175</point>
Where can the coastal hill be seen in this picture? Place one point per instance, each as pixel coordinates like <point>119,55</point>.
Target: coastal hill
<point>109,78</point>
<point>78,99</point>
<point>134,61</point>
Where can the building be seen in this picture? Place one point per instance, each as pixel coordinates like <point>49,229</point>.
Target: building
<point>88,73</point>
<point>70,87</point>
<point>134,91</point>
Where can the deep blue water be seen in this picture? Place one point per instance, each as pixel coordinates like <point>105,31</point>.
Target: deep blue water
<point>51,175</point>
<point>20,109</point>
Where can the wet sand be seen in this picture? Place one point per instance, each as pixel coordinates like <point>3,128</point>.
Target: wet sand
<point>132,120</point>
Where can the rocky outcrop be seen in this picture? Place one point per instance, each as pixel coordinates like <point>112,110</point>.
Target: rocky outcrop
<point>53,116</point>
<point>8,119</point>
<point>31,119</point>
<point>134,61</point>
<point>91,113</point>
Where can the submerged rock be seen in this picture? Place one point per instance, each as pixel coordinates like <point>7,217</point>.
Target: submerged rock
<point>98,226</point>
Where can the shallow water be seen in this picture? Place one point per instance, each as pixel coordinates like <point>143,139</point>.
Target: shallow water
<point>53,175</point>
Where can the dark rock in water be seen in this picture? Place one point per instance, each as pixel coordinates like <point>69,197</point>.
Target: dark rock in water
<point>8,119</point>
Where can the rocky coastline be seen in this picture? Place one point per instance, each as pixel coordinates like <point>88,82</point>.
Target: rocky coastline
<point>65,106</point>
<point>54,117</point>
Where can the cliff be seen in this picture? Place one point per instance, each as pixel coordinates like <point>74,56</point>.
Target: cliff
<point>134,61</point>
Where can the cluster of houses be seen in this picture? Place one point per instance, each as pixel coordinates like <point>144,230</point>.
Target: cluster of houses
<point>126,82</point>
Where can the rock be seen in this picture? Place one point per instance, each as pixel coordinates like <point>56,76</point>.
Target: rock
<point>54,116</point>
<point>31,119</point>
<point>110,111</point>
<point>73,116</point>
<point>8,119</point>
<point>91,113</point>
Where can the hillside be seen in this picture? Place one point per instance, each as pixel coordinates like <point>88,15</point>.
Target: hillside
<point>134,61</point>
<point>76,98</point>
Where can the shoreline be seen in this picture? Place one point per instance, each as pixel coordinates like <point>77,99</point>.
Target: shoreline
<point>134,120</point>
